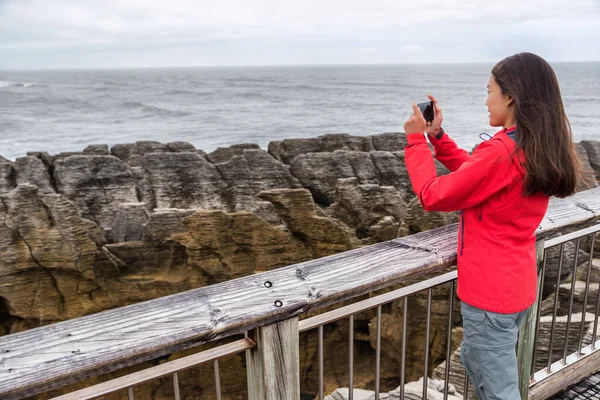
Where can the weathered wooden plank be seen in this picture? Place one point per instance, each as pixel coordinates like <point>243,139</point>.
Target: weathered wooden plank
<point>255,372</point>
<point>158,371</point>
<point>527,332</point>
<point>578,209</point>
<point>48,357</point>
<point>567,375</point>
<point>373,302</point>
<point>274,364</point>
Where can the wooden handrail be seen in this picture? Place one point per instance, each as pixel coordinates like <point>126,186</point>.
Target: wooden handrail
<point>52,356</point>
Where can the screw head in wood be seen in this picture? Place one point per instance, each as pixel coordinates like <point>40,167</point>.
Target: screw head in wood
<point>268,284</point>
<point>278,303</point>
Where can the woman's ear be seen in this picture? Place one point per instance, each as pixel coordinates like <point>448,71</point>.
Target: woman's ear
<point>509,99</point>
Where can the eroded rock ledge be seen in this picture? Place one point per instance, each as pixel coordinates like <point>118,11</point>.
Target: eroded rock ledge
<point>102,228</point>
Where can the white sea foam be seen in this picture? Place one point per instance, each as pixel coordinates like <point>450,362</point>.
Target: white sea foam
<point>15,84</point>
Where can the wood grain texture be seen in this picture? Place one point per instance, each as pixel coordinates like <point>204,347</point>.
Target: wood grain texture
<point>281,360</point>
<point>277,350</point>
<point>575,210</point>
<point>527,332</point>
<point>55,355</point>
<point>565,377</point>
<point>255,370</point>
<point>168,368</point>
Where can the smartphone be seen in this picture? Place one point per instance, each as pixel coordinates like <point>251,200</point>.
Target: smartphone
<point>427,110</point>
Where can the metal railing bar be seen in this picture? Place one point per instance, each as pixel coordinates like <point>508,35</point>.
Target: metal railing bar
<point>537,317</point>
<point>585,301</point>
<point>573,280</point>
<point>560,262</point>
<point>130,395</point>
<point>321,383</point>
<point>176,386</point>
<point>427,333</point>
<point>449,341</point>
<point>597,299</point>
<point>580,353</point>
<point>217,379</point>
<point>377,352</point>
<point>158,371</point>
<point>570,236</point>
<point>343,312</point>
<point>403,358</point>
<point>351,357</point>
<point>466,391</point>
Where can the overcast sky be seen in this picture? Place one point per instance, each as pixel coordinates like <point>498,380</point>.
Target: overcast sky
<point>153,33</point>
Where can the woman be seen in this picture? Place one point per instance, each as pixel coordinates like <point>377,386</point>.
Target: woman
<point>503,189</point>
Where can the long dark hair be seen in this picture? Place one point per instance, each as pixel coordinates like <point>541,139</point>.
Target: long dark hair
<point>552,163</point>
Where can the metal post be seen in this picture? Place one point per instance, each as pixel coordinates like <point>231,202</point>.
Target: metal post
<point>403,362</point>
<point>449,341</point>
<point>427,332</point>
<point>378,353</point>
<point>321,384</point>
<point>556,294</point>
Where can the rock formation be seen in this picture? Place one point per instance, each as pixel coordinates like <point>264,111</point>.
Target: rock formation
<point>102,228</point>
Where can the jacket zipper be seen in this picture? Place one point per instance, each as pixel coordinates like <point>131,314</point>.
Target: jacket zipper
<point>462,231</point>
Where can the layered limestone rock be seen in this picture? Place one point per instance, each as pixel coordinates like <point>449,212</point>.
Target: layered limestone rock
<point>371,210</point>
<point>250,171</point>
<point>33,171</point>
<point>588,180</point>
<point>288,149</point>
<point>322,236</point>
<point>320,172</point>
<point>7,175</point>
<point>418,220</point>
<point>182,180</point>
<point>592,148</point>
<point>87,231</point>
<point>47,253</point>
<point>96,184</point>
<point>224,154</point>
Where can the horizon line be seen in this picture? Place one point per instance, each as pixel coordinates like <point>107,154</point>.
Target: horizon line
<point>272,65</point>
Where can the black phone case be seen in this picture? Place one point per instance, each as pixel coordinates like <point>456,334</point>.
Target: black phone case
<point>427,110</point>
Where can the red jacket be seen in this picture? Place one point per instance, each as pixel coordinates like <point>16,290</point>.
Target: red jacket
<point>496,239</point>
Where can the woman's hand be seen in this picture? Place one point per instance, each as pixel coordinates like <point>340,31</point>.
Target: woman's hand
<point>433,128</point>
<point>415,123</point>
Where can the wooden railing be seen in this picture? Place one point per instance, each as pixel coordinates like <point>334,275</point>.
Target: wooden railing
<point>264,306</point>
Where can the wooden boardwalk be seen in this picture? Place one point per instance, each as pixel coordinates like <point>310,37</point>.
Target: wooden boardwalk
<point>588,388</point>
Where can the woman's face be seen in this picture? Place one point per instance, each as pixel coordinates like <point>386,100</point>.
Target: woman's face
<point>498,105</point>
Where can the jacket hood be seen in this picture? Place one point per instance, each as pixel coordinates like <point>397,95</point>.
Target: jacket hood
<point>510,144</point>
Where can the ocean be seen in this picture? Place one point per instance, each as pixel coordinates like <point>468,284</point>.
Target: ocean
<point>66,110</point>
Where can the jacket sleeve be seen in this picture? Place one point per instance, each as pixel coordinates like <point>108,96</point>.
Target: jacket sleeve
<point>483,174</point>
<point>448,153</point>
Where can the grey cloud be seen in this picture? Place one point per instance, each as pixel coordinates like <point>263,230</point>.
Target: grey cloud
<point>271,31</point>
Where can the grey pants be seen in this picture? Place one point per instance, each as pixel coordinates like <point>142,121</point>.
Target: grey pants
<point>488,352</point>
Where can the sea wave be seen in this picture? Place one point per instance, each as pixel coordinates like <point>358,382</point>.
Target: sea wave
<point>51,103</point>
<point>582,99</point>
<point>155,110</point>
<point>176,92</point>
<point>4,84</point>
